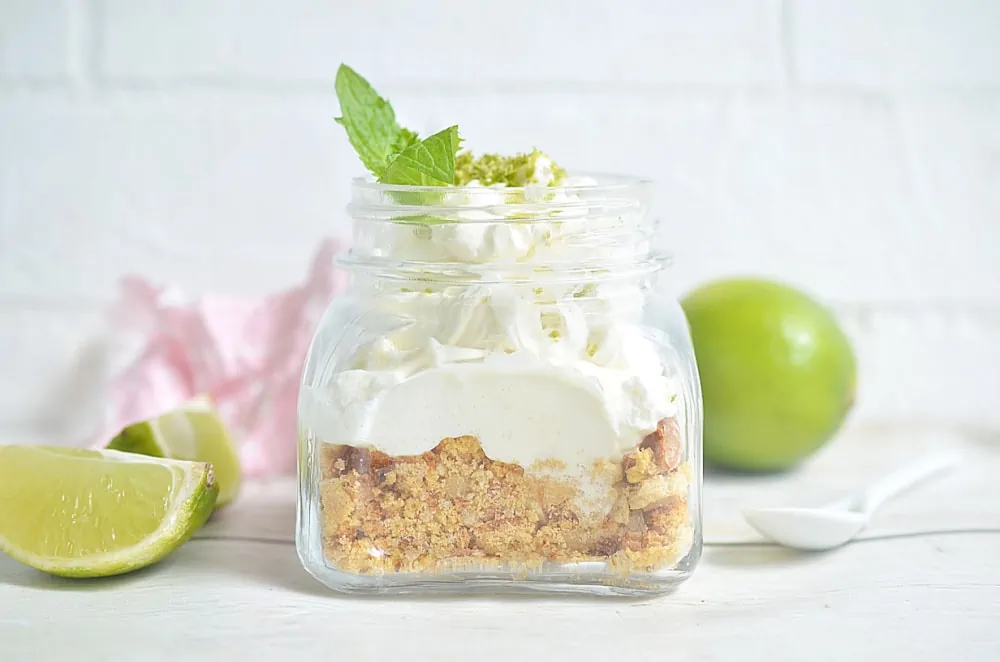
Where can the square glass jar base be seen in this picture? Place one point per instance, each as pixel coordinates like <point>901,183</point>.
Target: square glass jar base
<point>582,579</point>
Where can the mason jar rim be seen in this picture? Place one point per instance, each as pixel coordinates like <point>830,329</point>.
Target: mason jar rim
<point>604,182</point>
<point>432,209</point>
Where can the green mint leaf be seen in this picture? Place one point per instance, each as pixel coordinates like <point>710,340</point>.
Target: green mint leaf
<point>429,162</point>
<point>370,122</point>
<point>403,140</point>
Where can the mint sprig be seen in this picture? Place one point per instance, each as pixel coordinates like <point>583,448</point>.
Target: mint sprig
<point>394,154</point>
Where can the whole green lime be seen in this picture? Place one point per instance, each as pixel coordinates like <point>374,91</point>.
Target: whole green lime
<point>777,372</point>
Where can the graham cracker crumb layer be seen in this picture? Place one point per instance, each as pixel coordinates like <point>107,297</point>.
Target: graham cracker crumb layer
<point>454,508</point>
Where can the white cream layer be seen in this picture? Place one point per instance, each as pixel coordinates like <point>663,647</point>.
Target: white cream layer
<point>519,413</point>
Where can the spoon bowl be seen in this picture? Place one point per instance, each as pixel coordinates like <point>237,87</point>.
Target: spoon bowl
<point>806,528</point>
<point>839,522</point>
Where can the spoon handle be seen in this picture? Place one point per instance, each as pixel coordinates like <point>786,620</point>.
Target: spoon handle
<point>905,477</point>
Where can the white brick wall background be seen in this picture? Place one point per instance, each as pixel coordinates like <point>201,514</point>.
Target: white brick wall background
<point>849,146</point>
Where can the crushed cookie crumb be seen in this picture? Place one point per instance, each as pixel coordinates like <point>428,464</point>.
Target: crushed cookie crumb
<point>656,490</point>
<point>550,463</point>
<point>665,444</point>
<point>455,508</point>
<point>639,466</point>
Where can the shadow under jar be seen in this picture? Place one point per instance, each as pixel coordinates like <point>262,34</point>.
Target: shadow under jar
<point>505,398</point>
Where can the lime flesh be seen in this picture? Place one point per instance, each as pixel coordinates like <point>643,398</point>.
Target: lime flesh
<point>777,373</point>
<point>92,513</point>
<point>193,432</point>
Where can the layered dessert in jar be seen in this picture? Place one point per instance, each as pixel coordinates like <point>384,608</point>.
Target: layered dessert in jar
<point>497,397</point>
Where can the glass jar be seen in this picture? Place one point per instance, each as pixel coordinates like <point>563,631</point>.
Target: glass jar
<point>505,397</point>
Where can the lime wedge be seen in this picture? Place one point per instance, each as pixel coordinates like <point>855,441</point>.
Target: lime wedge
<point>92,513</point>
<point>192,432</point>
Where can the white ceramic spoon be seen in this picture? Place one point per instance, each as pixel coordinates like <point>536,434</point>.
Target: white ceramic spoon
<point>833,525</point>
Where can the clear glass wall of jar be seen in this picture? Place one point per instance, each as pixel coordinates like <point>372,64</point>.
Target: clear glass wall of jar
<point>506,397</point>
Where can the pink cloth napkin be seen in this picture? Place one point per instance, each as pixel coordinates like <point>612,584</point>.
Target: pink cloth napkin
<point>246,354</point>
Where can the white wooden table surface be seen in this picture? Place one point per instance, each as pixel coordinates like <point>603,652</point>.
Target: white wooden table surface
<point>237,592</point>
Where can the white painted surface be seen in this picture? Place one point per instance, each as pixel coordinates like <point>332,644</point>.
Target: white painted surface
<point>905,598</point>
<point>35,45</point>
<point>850,147</point>
<point>896,43</point>
<point>726,41</point>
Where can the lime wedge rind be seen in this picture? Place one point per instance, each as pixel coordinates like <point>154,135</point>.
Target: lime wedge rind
<point>193,431</point>
<point>194,495</point>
